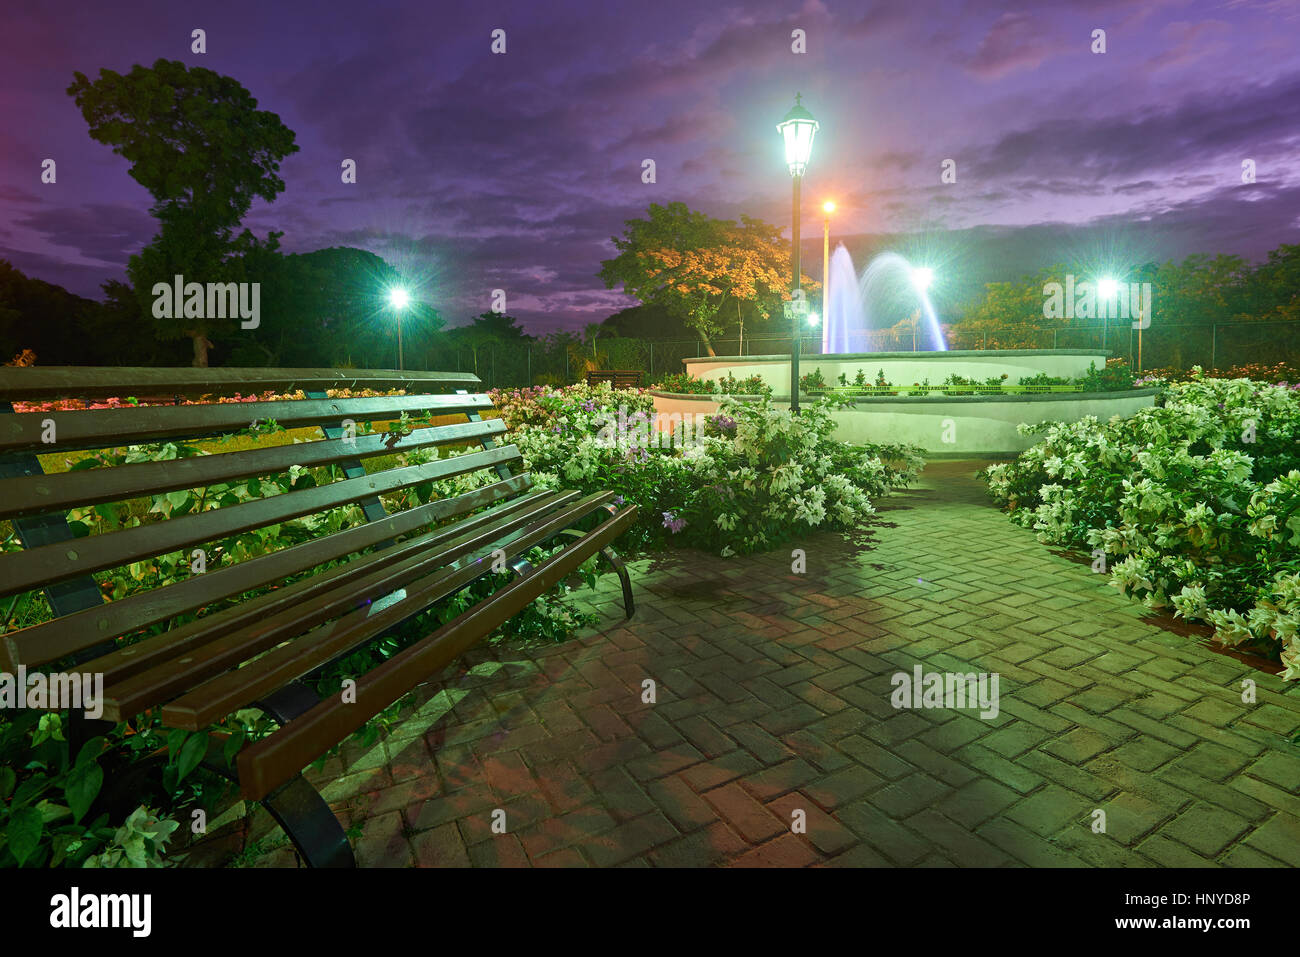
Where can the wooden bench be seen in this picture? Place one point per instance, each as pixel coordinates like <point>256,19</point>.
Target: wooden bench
<point>256,652</point>
<point>617,378</point>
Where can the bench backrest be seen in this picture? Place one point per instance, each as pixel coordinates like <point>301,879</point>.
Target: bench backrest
<point>617,378</point>
<point>368,499</point>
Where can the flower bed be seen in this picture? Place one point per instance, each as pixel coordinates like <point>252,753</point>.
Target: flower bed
<point>750,478</point>
<point>126,402</point>
<point>1193,506</point>
<point>1280,374</point>
<point>1115,376</point>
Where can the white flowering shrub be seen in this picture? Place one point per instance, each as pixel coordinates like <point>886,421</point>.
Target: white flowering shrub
<point>1195,503</point>
<point>755,476</point>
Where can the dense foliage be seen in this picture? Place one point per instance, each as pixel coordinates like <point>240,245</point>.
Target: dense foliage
<point>1192,506</point>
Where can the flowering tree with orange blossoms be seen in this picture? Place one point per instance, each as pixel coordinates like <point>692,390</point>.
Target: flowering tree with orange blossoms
<point>700,268</point>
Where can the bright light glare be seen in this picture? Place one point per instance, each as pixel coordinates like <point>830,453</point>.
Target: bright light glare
<point>922,276</point>
<point>399,298</point>
<point>828,207</point>
<point>813,319</point>
<point>1107,288</point>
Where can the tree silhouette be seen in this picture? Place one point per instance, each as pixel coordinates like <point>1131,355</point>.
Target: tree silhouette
<point>197,142</point>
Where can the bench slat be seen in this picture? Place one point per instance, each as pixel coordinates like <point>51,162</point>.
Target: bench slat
<point>27,570</point>
<point>145,674</point>
<point>49,641</point>
<point>269,763</point>
<point>54,382</point>
<point>59,491</point>
<point>108,428</point>
<point>228,692</point>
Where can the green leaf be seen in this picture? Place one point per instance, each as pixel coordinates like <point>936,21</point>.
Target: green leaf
<point>8,781</point>
<point>191,754</point>
<point>51,812</point>
<point>178,498</point>
<point>232,746</point>
<point>91,750</point>
<point>29,789</point>
<point>109,513</point>
<point>82,787</point>
<point>24,833</point>
<point>175,740</point>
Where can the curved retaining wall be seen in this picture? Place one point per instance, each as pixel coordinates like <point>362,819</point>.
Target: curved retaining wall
<point>949,426</point>
<point>904,368</point>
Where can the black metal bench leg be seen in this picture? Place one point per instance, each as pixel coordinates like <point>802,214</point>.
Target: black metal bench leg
<point>301,813</point>
<point>308,821</point>
<point>298,807</point>
<point>625,580</point>
<point>616,563</point>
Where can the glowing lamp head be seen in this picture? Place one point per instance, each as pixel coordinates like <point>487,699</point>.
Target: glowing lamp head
<point>1107,288</point>
<point>399,298</point>
<point>813,318</point>
<point>922,276</point>
<point>797,130</point>
<point>828,207</point>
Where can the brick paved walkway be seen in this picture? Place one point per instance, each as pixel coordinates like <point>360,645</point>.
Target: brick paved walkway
<point>773,694</point>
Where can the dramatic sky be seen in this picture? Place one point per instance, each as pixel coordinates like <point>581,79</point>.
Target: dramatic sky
<point>479,171</point>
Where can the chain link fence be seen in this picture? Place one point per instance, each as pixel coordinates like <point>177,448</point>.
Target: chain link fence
<point>1181,346</point>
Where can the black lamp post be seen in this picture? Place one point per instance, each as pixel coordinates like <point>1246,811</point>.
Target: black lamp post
<point>797,130</point>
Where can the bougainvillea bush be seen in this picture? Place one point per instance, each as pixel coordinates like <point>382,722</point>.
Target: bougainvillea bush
<point>1193,506</point>
<point>745,479</point>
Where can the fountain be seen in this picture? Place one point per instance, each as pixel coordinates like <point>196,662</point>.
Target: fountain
<point>848,314</point>
<point>964,424</point>
<point>845,321</point>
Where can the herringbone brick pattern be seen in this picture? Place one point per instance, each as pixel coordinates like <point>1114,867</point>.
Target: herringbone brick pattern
<point>773,698</point>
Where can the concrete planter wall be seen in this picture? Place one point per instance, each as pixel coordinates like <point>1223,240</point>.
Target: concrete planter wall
<point>976,425</point>
<point>904,368</point>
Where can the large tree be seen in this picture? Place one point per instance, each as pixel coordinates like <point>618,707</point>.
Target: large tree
<point>702,269</point>
<point>197,142</point>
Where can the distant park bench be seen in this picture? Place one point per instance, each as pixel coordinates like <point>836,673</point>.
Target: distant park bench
<point>256,653</point>
<point>617,378</point>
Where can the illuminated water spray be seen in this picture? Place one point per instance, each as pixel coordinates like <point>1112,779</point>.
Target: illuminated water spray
<point>848,315</point>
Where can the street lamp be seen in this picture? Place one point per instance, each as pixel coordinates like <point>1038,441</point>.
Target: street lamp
<point>922,276</point>
<point>399,298</point>
<point>797,130</point>
<point>828,207</point>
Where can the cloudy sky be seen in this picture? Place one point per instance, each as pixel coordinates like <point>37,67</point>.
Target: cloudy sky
<point>479,171</point>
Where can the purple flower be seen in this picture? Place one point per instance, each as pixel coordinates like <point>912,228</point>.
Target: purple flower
<point>673,523</point>
<point>589,406</point>
<point>618,499</point>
